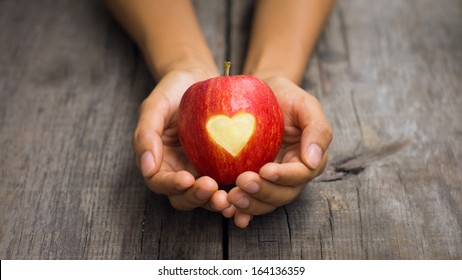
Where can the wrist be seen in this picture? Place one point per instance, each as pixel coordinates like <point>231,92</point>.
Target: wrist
<point>272,77</point>
<point>272,73</point>
<point>188,75</point>
<point>195,69</point>
<point>185,59</point>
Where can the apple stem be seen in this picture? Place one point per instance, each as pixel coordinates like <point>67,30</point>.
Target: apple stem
<point>227,67</point>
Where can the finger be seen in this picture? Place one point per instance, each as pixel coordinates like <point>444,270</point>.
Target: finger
<point>288,174</point>
<point>248,204</point>
<point>263,190</point>
<point>229,212</point>
<point>316,132</point>
<point>291,173</point>
<point>147,142</point>
<point>241,219</point>
<point>170,182</point>
<point>198,195</point>
<point>218,202</point>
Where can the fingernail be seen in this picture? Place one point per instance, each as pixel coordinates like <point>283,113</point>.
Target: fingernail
<point>314,156</point>
<point>147,163</point>
<point>252,187</point>
<point>202,194</point>
<point>243,202</point>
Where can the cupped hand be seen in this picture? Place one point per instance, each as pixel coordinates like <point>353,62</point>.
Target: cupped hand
<point>303,156</point>
<point>159,155</point>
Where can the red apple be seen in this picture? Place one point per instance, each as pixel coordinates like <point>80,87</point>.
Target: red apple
<point>228,125</point>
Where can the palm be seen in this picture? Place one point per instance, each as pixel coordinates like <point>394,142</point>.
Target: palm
<point>167,95</point>
<point>289,96</point>
<point>174,156</point>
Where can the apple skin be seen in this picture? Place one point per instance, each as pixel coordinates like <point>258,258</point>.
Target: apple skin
<point>229,95</point>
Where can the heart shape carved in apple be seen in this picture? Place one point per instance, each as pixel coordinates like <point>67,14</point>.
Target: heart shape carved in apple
<point>232,134</point>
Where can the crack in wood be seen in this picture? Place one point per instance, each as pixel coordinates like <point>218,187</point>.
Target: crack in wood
<point>87,238</point>
<point>350,171</point>
<point>321,244</point>
<point>355,164</point>
<point>143,224</point>
<point>228,30</point>
<point>159,242</point>
<point>331,219</point>
<point>361,233</point>
<point>288,225</point>
<point>225,238</point>
<point>344,34</point>
<point>367,157</point>
<point>357,118</point>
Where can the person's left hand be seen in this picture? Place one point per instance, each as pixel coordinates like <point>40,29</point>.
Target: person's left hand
<point>302,157</point>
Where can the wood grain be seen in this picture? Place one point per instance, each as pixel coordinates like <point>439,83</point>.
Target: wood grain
<point>70,88</point>
<point>386,72</point>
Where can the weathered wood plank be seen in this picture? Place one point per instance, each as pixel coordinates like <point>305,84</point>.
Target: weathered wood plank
<point>71,191</point>
<point>392,75</point>
<point>387,75</point>
<point>71,82</point>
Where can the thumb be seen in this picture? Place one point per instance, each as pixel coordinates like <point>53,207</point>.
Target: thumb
<point>147,142</point>
<point>316,134</point>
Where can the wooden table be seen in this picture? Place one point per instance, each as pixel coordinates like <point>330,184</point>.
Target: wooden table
<point>388,73</point>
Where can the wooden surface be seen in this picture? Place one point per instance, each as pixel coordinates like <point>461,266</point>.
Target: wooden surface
<point>388,74</point>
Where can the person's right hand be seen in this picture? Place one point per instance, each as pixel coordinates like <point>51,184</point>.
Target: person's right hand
<point>159,155</point>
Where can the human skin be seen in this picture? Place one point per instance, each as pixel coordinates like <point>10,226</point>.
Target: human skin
<point>283,36</point>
